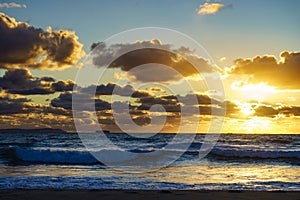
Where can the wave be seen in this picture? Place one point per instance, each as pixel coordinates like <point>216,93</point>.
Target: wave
<point>61,156</point>
<point>82,156</point>
<point>69,156</point>
<point>133,182</point>
<point>256,153</point>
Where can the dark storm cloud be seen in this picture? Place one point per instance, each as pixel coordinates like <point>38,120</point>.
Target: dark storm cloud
<point>284,73</point>
<point>21,81</point>
<point>24,46</point>
<point>150,52</point>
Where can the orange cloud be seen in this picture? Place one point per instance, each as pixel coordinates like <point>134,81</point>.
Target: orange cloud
<point>283,73</point>
<point>210,8</point>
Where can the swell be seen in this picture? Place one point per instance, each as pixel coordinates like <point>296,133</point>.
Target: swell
<point>71,156</point>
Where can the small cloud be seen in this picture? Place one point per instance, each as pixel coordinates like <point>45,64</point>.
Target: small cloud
<point>222,59</point>
<point>210,8</point>
<point>12,5</point>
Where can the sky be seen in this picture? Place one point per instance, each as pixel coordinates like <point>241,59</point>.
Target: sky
<point>254,45</point>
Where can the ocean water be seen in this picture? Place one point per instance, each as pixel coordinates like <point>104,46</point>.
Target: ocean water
<point>237,162</point>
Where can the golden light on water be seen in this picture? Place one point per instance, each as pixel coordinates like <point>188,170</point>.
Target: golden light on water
<point>229,174</point>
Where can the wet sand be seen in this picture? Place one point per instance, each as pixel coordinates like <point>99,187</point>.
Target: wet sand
<point>74,194</point>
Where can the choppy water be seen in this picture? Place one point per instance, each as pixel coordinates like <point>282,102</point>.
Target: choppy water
<point>243,162</point>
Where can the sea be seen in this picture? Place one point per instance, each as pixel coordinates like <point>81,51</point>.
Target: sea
<point>260,162</point>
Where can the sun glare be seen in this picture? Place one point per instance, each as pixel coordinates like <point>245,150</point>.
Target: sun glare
<point>257,125</point>
<point>257,92</point>
<point>246,109</point>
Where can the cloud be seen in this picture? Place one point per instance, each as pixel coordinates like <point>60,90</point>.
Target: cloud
<point>108,89</point>
<point>266,111</point>
<point>140,107</point>
<point>21,81</point>
<point>18,79</point>
<point>24,46</point>
<point>290,110</point>
<point>65,101</point>
<point>150,56</point>
<point>283,73</point>
<point>62,86</point>
<point>170,103</point>
<point>222,59</point>
<point>112,88</point>
<point>12,5</point>
<point>11,104</point>
<point>210,8</point>
<point>95,93</point>
<point>176,104</point>
<point>17,111</point>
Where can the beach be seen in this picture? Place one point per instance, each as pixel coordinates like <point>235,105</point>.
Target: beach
<point>47,194</point>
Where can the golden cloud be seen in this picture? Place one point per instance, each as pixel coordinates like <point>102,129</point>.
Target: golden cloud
<point>283,73</point>
<point>24,46</point>
<point>210,8</point>
<point>21,81</point>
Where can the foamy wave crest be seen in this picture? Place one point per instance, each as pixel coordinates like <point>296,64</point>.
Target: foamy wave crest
<point>256,153</point>
<point>61,156</point>
<point>84,157</point>
<point>55,156</point>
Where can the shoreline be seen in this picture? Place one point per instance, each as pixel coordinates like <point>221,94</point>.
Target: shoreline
<point>79,194</point>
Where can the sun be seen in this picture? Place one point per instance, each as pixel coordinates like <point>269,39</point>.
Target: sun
<point>246,109</point>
